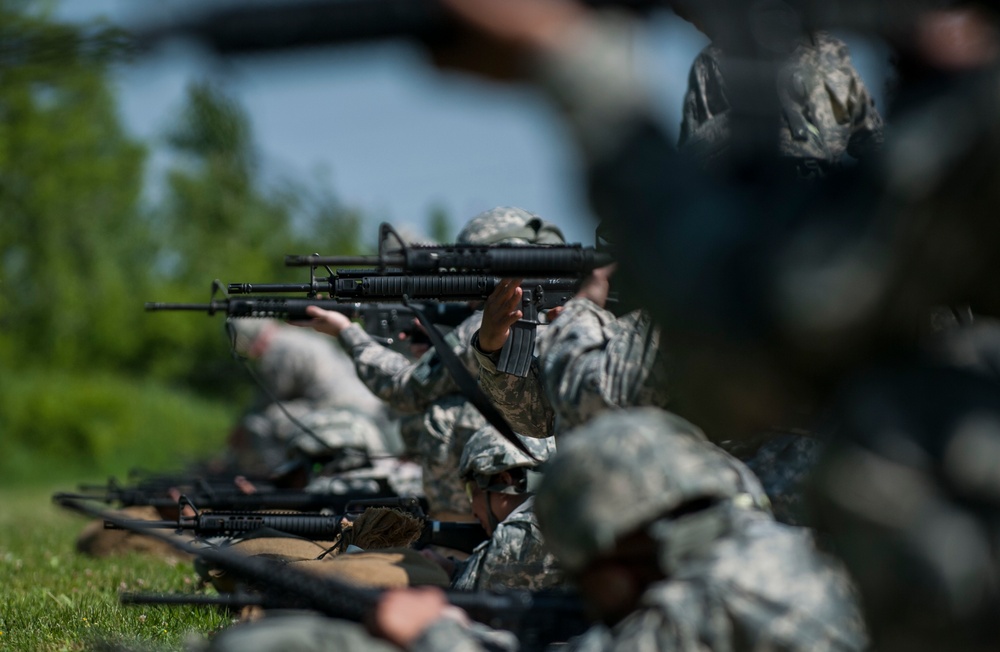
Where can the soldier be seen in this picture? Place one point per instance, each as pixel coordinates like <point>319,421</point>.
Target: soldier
<point>499,480</point>
<point>299,375</point>
<point>826,109</point>
<point>426,387</point>
<point>669,550</point>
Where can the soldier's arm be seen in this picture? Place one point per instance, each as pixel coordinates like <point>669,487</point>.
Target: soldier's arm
<point>591,361</point>
<point>522,401</point>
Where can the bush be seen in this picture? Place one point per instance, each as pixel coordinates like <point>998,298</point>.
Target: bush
<point>60,425</point>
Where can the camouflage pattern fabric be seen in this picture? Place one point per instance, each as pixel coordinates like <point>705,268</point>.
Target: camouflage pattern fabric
<point>515,557</point>
<point>404,478</point>
<point>407,386</point>
<point>509,225</point>
<point>303,373</point>
<point>764,587</point>
<point>449,423</point>
<point>624,469</point>
<point>487,453</point>
<point>302,364</point>
<point>827,109</point>
<point>751,584</point>
<point>590,361</point>
<point>295,632</point>
<point>442,420</point>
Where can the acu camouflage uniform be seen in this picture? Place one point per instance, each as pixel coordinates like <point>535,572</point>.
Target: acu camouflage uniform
<point>447,419</point>
<point>826,108</point>
<point>590,361</point>
<point>735,579</point>
<point>309,378</point>
<point>442,420</point>
<point>515,556</point>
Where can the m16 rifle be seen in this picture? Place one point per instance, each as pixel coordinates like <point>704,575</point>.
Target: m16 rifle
<point>455,272</point>
<point>535,619</point>
<point>231,498</point>
<point>383,321</point>
<point>317,526</point>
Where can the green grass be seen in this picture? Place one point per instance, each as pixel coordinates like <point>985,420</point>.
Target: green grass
<point>52,598</point>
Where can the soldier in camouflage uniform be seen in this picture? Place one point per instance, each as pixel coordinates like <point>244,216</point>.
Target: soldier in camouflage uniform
<point>590,360</point>
<point>669,552</point>
<point>826,109</point>
<point>426,388</point>
<point>499,481</point>
<point>301,375</point>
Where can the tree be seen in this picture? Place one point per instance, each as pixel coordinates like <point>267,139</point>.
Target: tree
<point>71,248</point>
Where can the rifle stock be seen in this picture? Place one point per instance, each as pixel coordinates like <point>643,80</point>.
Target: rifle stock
<point>537,619</point>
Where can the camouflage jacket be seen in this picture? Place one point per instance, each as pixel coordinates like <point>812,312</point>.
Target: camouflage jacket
<point>588,361</point>
<point>513,558</point>
<point>762,587</point>
<point>443,420</point>
<point>826,108</point>
<point>300,364</point>
<point>409,387</point>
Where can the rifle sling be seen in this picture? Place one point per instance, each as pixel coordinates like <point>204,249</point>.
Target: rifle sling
<point>466,383</point>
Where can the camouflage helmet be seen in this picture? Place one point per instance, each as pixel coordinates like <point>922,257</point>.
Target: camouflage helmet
<point>509,225</point>
<point>488,453</point>
<point>625,470</point>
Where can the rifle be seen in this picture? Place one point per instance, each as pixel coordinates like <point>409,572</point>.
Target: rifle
<point>381,320</point>
<point>538,295</point>
<point>536,619</point>
<point>233,499</point>
<point>321,527</point>
<point>240,28</point>
<point>508,260</point>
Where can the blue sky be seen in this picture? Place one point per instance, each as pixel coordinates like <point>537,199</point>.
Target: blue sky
<point>394,136</point>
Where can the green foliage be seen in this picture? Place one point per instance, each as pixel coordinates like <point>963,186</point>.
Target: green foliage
<point>56,599</point>
<point>66,425</point>
<point>80,252</point>
<point>220,221</point>
<point>439,225</point>
<point>69,177</point>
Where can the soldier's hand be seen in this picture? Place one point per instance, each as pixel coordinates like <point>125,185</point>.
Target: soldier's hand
<point>324,321</point>
<point>499,37</point>
<point>500,312</point>
<point>597,285</point>
<point>402,615</point>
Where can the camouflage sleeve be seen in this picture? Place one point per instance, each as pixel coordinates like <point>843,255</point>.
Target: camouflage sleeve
<point>448,634</point>
<point>591,361</point>
<point>408,387</point>
<point>705,104</point>
<point>513,558</point>
<point>849,94</point>
<point>522,401</point>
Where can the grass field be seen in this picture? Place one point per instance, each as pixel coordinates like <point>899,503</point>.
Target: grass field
<point>52,598</point>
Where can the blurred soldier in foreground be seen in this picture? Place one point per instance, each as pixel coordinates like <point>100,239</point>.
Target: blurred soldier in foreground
<point>669,550</point>
<point>306,379</point>
<point>499,480</point>
<point>798,290</point>
<point>426,387</point>
<point>826,109</point>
